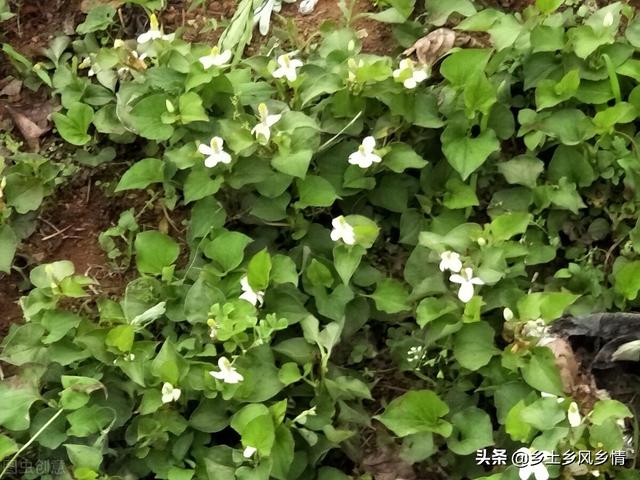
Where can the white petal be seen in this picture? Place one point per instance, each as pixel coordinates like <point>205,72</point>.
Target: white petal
<point>278,73</point>
<point>357,158</point>
<point>540,472</point>
<point>373,158</point>
<point>211,161</point>
<point>525,472</point>
<point>410,83</point>
<point>248,452</point>
<point>420,76</point>
<point>466,292</point>
<point>224,57</point>
<point>272,120</point>
<point>456,278</point>
<point>291,74</point>
<point>207,62</point>
<point>205,149</point>
<point>224,157</point>
<point>573,415</point>
<point>476,281</point>
<point>369,144</point>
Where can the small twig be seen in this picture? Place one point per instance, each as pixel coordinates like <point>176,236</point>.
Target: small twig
<point>55,234</point>
<point>31,440</point>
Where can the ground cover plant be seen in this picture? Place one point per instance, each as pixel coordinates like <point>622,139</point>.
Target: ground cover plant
<point>356,259</point>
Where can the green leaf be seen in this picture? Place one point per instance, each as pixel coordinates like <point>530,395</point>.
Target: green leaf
<point>546,305</point>
<point>439,11</point>
<point>58,323</point>
<point>315,191</point>
<point>294,163</point>
<point>466,154</point>
<point>99,18</point>
<point>620,113</point>
<point>346,260</point>
<point>191,109</point>
<point>570,126</point>
<point>8,246</point>
<point>155,251</point>
<point>473,346</point>
<point>548,6</point>
<point>401,157</point>
<point>282,453</point>
<point>604,410</point>
<point>89,420</point>
<point>550,93</point>
<point>16,397</point>
<point>542,373</point>
<point>459,195</point>
<point>227,249</point>
<point>391,296</point>
<point>121,337</point>
<point>627,280</point>
<point>166,365</point>
<point>146,118</point>
<point>458,67</point>
<point>507,225</point>
<point>8,446</point>
<point>255,425</point>
<point>431,309</point>
<point>142,174</point>
<point>416,411</point>
<point>472,430</point>
<point>259,270</point>
<point>522,170</point>
<point>84,456</point>
<point>74,125</point>
<point>24,193</point>
<point>199,185</point>
<point>479,93</point>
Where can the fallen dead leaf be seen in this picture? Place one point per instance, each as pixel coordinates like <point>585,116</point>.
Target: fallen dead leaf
<point>435,45</point>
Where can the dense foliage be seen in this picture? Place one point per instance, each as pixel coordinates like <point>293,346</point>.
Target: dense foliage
<point>353,225</point>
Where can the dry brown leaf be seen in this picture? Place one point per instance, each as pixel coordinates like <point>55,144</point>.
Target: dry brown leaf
<point>87,5</point>
<point>12,88</point>
<point>435,45</point>
<point>386,464</point>
<point>29,129</point>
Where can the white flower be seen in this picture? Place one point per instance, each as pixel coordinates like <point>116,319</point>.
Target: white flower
<point>551,395</point>
<point>342,231</point>
<point>215,152</point>
<point>415,353</point>
<point>215,58</point>
<point>573,415</point>
<point>507,314</point>
<point>466,281</point>
<point>364,157</point>
<point>287,67</point>
<point>249,294</point>
<point>154,32</point>
<point>249,451</point>
<point>263,129</point>
<point>595,473</point>
<point>227,373</point>
<point>170,394</point>
<point>409,75</point>
<point>450,261</point>
<point>538,471</point>
<point>608,19</point>
<point>3,184</point>
<point>307,6</point>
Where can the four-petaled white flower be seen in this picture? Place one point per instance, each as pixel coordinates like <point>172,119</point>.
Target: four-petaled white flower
<point>169,393</point>
<point>154,32</point>
<point>249,294</point>
<point>450,261</point>
<point>287,67</point>
<point>534,468</point>
<point>227,373</point>
<point>466,280</point>
<point>409,75</point>
<point>215,58</point>
<point>249,451</point>
<point>573,415</point>
<point>365,156</point>
<point>342,231</point>
<point>215,152</point>
<point>262,130</point>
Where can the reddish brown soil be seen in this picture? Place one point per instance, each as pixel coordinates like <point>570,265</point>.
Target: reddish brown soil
<point>37,22</point>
